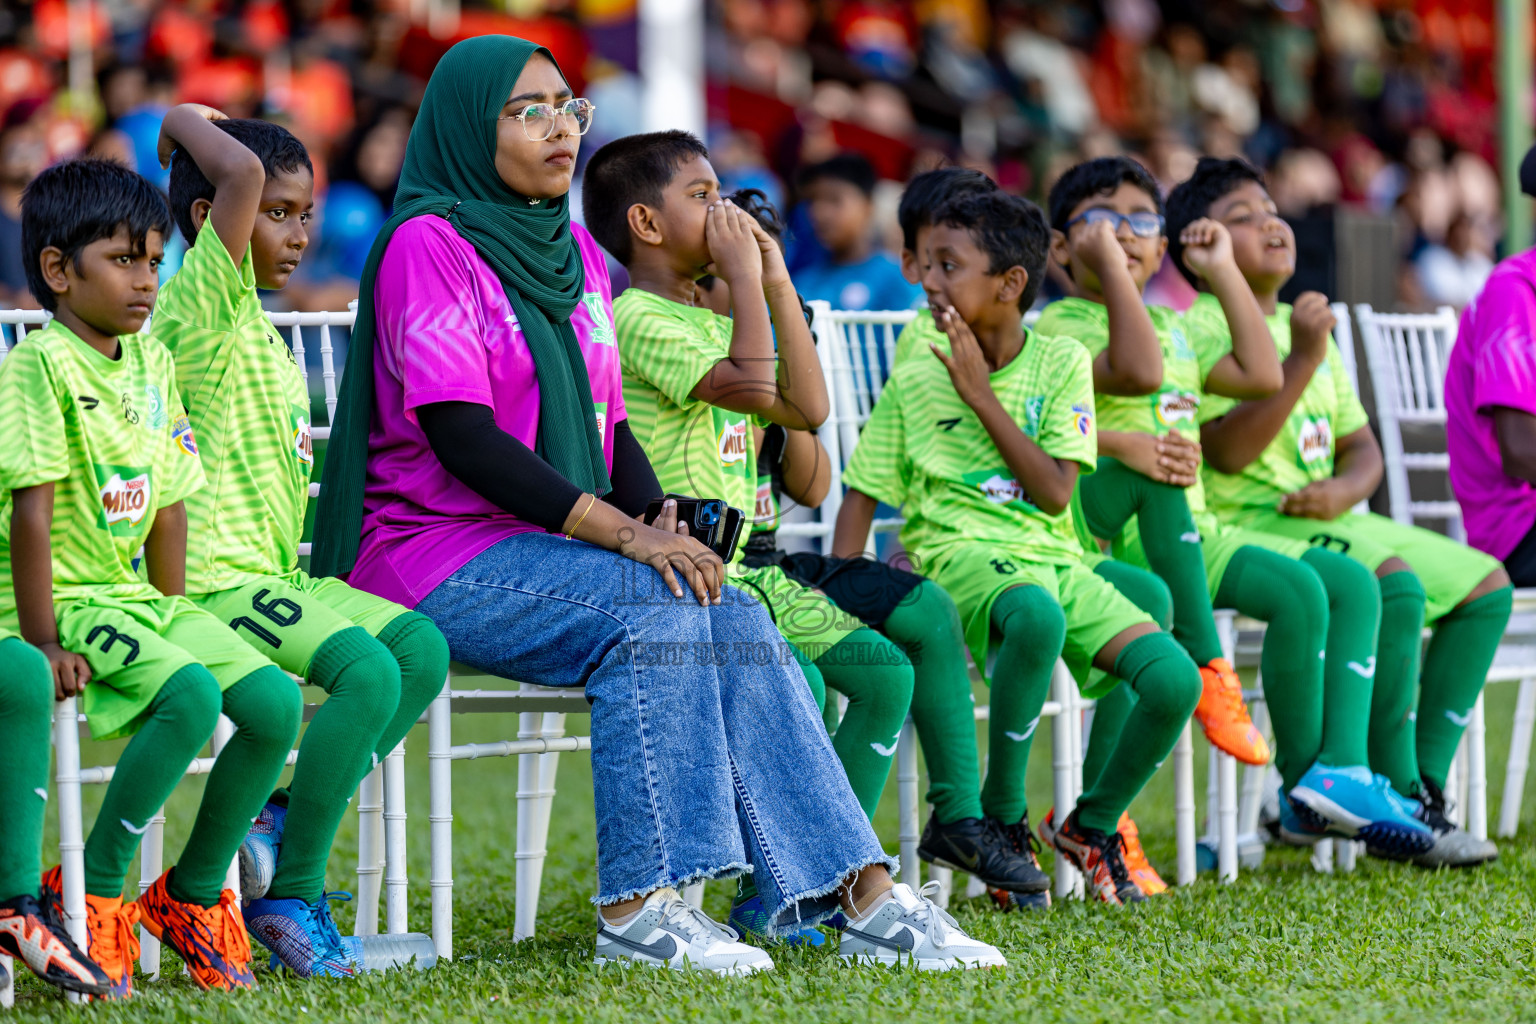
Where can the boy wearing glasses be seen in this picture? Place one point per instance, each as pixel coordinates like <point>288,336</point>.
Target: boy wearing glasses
<point>1322,610</point>
<point>242,192</point>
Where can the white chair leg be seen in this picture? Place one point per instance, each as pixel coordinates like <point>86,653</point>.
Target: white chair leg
<point>1519,758</point>
<point>222,733</point>
<point>946,880</point>
<point>1344,853</point>
<point>1212,797</point>
<point>693,895</point>
<point>1251,799</point>
<point>1322,856</point>
<point>1477,772</point>
<point>909,828</point>
<point>370,851</point>
<point>7,982</point>
<point>1184,805</point>
<point>66,746</point>
<point>532,828</point>
<point>151,865</point>
<point>396,878</point>
<point>440,818</point>
<point>1226,812</point>
<point>975,888</point>
<point>1062,747</point>
<point>1456,785</point>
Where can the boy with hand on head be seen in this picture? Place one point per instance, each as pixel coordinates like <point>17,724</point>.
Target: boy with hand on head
<point>1321,609</point>
<point>1294,465</point>
<point>29,929</point>
<point>695,383</point>
<point>100,461</point>
<point>839,196</point>
<point>983,447</point>
<point>242,192</point>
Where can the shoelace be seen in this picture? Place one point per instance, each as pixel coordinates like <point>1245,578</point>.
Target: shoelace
<point>114,934</point>
<point>1113,855</point>
<point>1437,808</point>
<point>320,915</point>
<point>1022,840</point>
<point>227,929</point>
<point>1229,691</point>
<point>693,922</point>
<point>934,916</point>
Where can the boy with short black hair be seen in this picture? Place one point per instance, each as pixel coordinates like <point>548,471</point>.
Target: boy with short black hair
<point>242,192</point>
<point>1321,609</point>
<point>839,197</point>
<point>696,382</point>
<point>1294,465</point>
<point>100,460</point>
<point>982,447</point>
<point>924,194</point>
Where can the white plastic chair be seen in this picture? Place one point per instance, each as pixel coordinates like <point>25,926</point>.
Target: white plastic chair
<point>1407,354</point>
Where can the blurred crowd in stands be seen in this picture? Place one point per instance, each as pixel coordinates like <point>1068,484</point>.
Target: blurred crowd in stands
<point>1385,106</point>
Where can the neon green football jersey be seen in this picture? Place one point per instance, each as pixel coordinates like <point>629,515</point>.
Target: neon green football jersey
<point>914,339</point>
<point>111,436</point>
<point>1175,406</point>
<point>1303,451</point>
<point>248,402</point>
<point>924,449</point>
<point>698,449</point>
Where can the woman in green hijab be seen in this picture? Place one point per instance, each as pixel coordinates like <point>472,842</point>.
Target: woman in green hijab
<point>481,419</point>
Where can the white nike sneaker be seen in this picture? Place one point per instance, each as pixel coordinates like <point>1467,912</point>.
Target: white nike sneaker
<point>668,932</point>
<point>910,928</point>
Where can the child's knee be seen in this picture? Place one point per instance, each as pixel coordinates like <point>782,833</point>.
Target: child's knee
<point>1401,590</point>
<point>29,680</point>
<point>1165,680</point>
<point>353,666</point>
<point>267,709</point>
<point>421,651</point>
<point>1030,615</point>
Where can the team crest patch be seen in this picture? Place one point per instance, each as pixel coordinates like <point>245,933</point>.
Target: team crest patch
<point>1181,346</point>
<point>181,433</point>
<point>1082,418</point>
<point>156,404</point>
<point>127,496</point>
<point>602,326</point>
<point>303,439</point>
<point>1034,406</point>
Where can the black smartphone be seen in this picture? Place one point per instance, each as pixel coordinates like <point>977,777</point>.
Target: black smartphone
<point>710,521</point>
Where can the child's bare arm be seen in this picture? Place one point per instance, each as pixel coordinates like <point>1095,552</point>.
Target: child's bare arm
<point>32,578</point>
<point>784,387</point>
<point>853,522</point>
<point>236,172</point>
<point>1048,481</point>
<point>1251,369</point>
<point>807,468</point>
<point>165,551</point>
<point>1133,362</point>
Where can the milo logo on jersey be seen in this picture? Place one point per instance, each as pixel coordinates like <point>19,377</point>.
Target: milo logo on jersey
<point>732,436</point>
<point>999,488</point>
<point>1314,440</point>
<point>126,498</point>
<point>1172,407</point>
<point>602,327</point>
<point>302,439</point>
<point>765,510</point>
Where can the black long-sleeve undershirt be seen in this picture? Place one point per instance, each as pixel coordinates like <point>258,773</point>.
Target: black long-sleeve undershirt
<point>510,475</point>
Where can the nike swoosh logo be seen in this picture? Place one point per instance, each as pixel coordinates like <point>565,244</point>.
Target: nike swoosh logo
<point>1190,538</point>
<point>40,791</point>
<point>1020,737</point>
<point>902,942</point>
<point>1366,671</point>
<point>883,751</point>
<point>137,830</point>
<point>1460,720</point>
<point>663,949</point>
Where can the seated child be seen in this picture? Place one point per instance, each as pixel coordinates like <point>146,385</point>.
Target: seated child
<point>1295,465</point>
<point>1320,608</point>
<point>28,930</point>
<point>920,617</point>
<point>982,448</point>
<point>99,462</point>
<point>242,192</point>
<point>694,382</point>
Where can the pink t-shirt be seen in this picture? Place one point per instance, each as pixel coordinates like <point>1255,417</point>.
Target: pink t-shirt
<point>446,333</point>
<point>1493,363</point>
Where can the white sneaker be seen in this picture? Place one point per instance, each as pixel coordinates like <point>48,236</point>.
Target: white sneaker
<point>911,927</point>
<point>668,932</point>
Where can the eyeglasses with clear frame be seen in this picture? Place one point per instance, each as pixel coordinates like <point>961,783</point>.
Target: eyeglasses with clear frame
<point>539,118</point>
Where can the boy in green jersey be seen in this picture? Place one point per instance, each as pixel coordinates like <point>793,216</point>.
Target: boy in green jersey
<point>99,460</point>
<point>915,613</point>
<point>28,931</point>
<point>1321,609</point>
<point>696,382</point>
<point>982,448</point>
<point>242,192</point>
<point>1295,465</point>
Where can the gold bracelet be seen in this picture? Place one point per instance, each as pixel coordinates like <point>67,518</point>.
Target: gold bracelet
<point>572,534</point>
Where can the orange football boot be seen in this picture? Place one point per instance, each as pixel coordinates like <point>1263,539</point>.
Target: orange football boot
<point>212,940</point>
<point>1136,864</point>
<point>1224,717</point>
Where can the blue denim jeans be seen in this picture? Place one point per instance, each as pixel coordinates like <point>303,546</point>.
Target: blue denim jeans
<point>708,753</point>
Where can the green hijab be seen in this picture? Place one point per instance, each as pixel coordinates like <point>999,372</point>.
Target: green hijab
<point>450,172</point>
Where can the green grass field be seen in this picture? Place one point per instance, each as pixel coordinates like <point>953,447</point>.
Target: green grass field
<point>1387,943</point>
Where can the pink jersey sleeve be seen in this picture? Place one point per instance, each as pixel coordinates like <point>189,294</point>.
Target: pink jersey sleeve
<point>1505,358</point>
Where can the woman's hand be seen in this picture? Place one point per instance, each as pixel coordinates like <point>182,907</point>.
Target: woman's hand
<point>71,672</point>
<point>1169,459</point>
<point>666,547</point>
